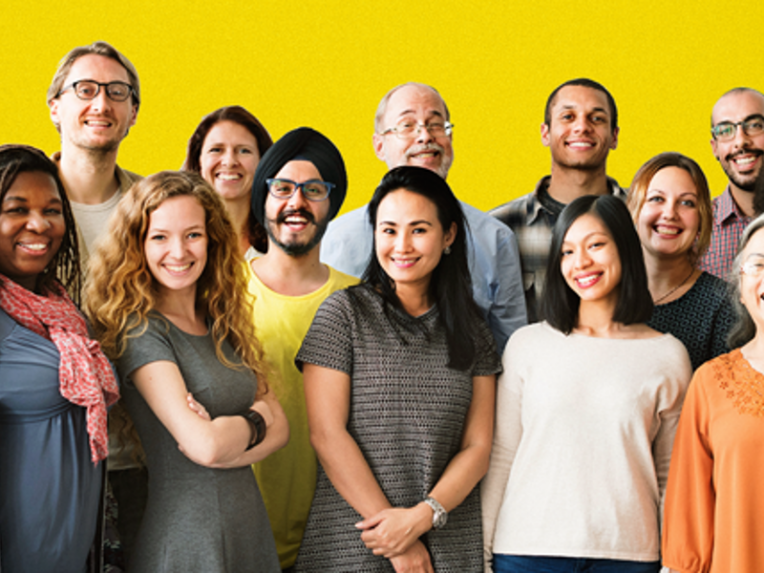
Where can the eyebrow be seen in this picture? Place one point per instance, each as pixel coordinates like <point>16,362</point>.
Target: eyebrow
<point>25,200</point>
<point>411,111</point>
<point>574,106</point>
<point>748,118</point>
<point>411,224</point>
<point>159,230</point>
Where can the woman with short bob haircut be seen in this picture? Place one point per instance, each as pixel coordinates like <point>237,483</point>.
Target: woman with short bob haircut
<point>168,299</point>
<point>399,378</point>
<point>671,207</point>
<point>714,498</point>
<point>205,156</point>
<point>586,411</point>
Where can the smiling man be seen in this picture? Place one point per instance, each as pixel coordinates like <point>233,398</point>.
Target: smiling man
<point>580,129</point>
<point>299,186</point>
<point>412,127</point>
<point>737,140</point>
<point>93,101</point>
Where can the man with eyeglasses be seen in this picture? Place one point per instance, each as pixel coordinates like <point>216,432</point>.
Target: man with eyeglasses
<point>412,127</point>
<point>737,140</point>
<point>580,129</point>
<point>299,186</point>
<point>93,101</point>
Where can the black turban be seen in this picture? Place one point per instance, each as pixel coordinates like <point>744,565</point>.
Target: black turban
<point>306,144</point>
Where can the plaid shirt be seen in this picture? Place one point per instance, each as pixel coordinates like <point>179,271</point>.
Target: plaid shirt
<point>532,224</point>
<point>729,224</point>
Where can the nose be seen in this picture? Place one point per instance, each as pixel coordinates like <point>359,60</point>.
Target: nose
<point>402,242</point>
<point>100,102</point>
<point>582,259</point>
<point>297,200</point>
<point>177,247</point>
<point>423,135</point>
<point>742,139</point>
<point>229,158</point>
<point>37,222</point>
<point>581,124</point>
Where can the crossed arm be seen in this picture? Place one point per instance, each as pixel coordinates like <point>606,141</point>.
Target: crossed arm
<point>392,532</point>
<point>217,443</point>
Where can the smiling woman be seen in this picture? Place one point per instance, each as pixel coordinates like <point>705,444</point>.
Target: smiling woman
<point>586,411</point>
<point>167,297</point>
<point>55,383</point>
<point>670,203</point>
<point>397,486</point>
<point>225,149</point>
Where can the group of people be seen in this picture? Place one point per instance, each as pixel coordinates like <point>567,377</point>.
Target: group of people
<point>414,386</point>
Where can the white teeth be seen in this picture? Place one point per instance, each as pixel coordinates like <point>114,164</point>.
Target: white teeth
<point>35,246</point>
<point>296,220</point>
<point>744,160</point>
<point>586,281</point>
<point>425,155</point>
<point>178,268</point>
<point>98,123</point>
<point>667,230</point>
<point>580,145</point>
<point>228,176</point>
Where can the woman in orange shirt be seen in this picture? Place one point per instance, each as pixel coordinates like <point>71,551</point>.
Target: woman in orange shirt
<point>714,511</point>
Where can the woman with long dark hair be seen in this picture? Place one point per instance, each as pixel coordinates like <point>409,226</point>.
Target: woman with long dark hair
<point>399,381</point>
<point>225,149</point>
<point>55,383</point>
<point>586,411</point>
<point>714,499</point>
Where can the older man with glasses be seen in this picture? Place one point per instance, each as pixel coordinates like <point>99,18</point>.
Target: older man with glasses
<point>412,127</point>
<point>737,140</point>
<point>93,101</point>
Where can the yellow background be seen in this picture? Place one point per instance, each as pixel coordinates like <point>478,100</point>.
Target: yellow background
<point>327,63</point>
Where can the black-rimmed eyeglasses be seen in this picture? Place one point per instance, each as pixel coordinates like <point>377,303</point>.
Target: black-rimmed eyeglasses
<point>89,89</point>
<point>313,190</point>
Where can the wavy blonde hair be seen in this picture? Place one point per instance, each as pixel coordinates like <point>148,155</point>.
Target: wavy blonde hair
<point>121,290</point>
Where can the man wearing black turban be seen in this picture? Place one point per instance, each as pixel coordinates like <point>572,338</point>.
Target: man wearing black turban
<point>289,284</point>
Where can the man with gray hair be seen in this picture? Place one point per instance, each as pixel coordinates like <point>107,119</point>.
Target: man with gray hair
<point>412,127</point>
<point>93,101</point>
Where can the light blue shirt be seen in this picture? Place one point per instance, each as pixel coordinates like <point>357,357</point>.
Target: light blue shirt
<point>491,251</point>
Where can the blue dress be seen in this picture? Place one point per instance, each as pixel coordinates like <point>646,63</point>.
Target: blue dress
<point>49,488</point>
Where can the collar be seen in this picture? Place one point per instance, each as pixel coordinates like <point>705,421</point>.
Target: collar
<point>726,209</point>
<point>535,208</point>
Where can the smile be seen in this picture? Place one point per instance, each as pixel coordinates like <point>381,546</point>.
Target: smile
<point>34,248</point>
<point>229,176</point>
<point>178,269</point>
<point>580,144</point>
<point>588,280</point>
<point>664,230</point>
<point>404,263</point>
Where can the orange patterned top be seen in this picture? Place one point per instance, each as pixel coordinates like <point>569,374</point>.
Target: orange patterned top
<point>714,510</point>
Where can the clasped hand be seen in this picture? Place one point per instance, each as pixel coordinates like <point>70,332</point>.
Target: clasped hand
<point>391,532</point>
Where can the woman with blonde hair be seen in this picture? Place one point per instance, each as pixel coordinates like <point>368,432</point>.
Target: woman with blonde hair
<point>168,300</point>
<point>670,203</point>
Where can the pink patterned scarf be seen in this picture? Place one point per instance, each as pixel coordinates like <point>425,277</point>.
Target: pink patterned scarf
<point>85,375</point>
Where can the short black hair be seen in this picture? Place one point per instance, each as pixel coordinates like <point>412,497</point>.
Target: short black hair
<point>559,304</point>
<point>587,83</point>
<point>450,283</point>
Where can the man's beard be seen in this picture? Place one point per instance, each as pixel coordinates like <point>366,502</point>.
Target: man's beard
<point>297,249</point>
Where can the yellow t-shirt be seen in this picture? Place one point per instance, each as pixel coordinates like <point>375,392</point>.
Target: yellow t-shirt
<point>287,478</point>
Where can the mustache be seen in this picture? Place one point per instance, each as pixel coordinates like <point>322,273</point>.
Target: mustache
<point>301,212</point>
<point>432,146</point>
<point>731,156</point>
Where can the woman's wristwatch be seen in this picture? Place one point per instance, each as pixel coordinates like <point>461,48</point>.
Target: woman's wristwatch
<point>439,513</point>
<point>257,427</point>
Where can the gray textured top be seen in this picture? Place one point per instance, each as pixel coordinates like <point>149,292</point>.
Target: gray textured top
<point>197,519</point>
<point>407,413</point>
